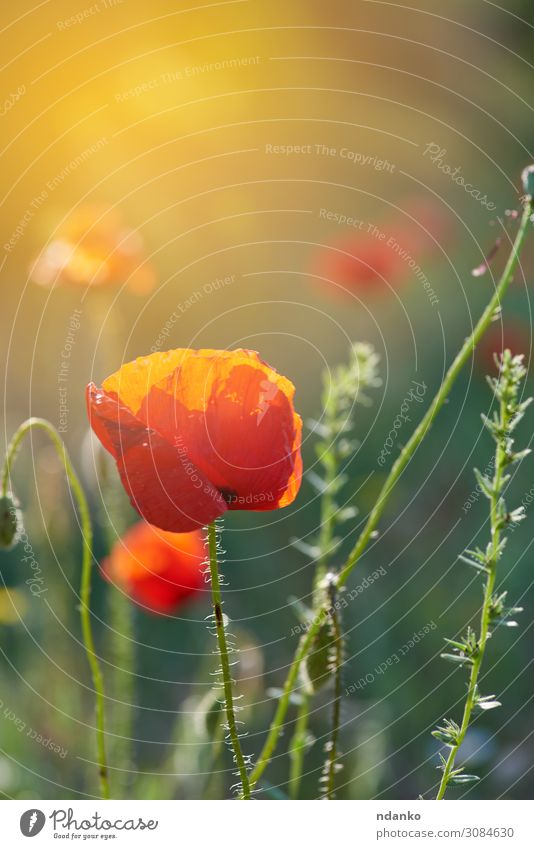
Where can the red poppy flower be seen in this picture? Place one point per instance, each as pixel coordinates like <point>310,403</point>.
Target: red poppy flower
<point>158,569</point>
<point>93,247</point>
<point>196,433</point>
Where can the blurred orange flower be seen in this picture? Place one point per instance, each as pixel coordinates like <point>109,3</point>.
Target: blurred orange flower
<point>159,570</point>
<point>196,433</point>
<point>93,247</point>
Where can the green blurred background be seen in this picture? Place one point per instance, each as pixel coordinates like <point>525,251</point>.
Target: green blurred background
<point>182,151</point>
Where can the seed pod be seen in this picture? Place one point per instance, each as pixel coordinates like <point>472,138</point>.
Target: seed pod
<point>10,522</point>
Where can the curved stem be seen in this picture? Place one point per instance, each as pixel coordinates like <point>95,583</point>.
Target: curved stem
<point>392,479</point>
<point>440,397</point>
<point>87,561</point>
<point>225,662</point>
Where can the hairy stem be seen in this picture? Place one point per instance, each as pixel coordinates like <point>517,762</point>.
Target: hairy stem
<point>332,745</point>
<point>391,481</point>
<point>225,662</point>
<point>87,562</point>
<point>485,618</point>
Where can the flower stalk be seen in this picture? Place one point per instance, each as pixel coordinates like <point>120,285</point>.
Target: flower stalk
<point>331,767</point>
<point>299,745</point>
<point>227,681</point>
<point>344,387</point>
<point>392,479</point>
<point>470,651</point>
<point>87,562</point>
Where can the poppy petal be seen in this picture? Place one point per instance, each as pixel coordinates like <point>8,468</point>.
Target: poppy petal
<point>207,400</point>
<point>164,486</point>
<point>158,569</point>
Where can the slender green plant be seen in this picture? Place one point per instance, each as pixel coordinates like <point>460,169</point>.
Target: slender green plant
<point>87,563</point>
<point>344,387</point>
<point>227,683</point>
<point>122,653</point>
<point>394,475</point>
<point>468,652</point>
<point>331,766</point>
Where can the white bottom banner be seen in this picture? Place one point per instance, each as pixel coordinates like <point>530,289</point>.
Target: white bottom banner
<point>228,825</point>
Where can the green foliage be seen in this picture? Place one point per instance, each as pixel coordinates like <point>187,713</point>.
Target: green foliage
<point>344,387</point>
<point>468,651</point>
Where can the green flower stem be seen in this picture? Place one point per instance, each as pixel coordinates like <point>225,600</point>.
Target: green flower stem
<point>392,479</point>
<point>277,723</point>
<point>473,678</point>
<point>87,562</point>
<point>331,765</point>
<point>441,396</point>
<point>328,508</point>
<point>225,662</point>
<point>297,746</point>
<point>485,618</point>
<point>122,656</point>
<point>121,638</point>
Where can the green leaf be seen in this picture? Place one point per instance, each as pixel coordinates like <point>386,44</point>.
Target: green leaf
<point>311,551</point>
<point>317,482</point>
<point>302,611</point>
<point>486,704</point>
<point>456,658</point>
<point>484,483</point>
<point>460,646</point>
<point>463,779</point>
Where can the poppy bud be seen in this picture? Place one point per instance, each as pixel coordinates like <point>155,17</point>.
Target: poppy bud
<point>528,180</point>
<point>10,522</point>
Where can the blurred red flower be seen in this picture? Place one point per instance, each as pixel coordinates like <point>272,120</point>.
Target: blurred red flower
<point>196,433</point>
<point>360,262</point>
<point>371,258</point>
<point>93,247</point>
<point>158,569</point>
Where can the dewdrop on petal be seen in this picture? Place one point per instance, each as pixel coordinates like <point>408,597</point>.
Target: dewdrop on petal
<point>10,522</point>
<point>527,177</point>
